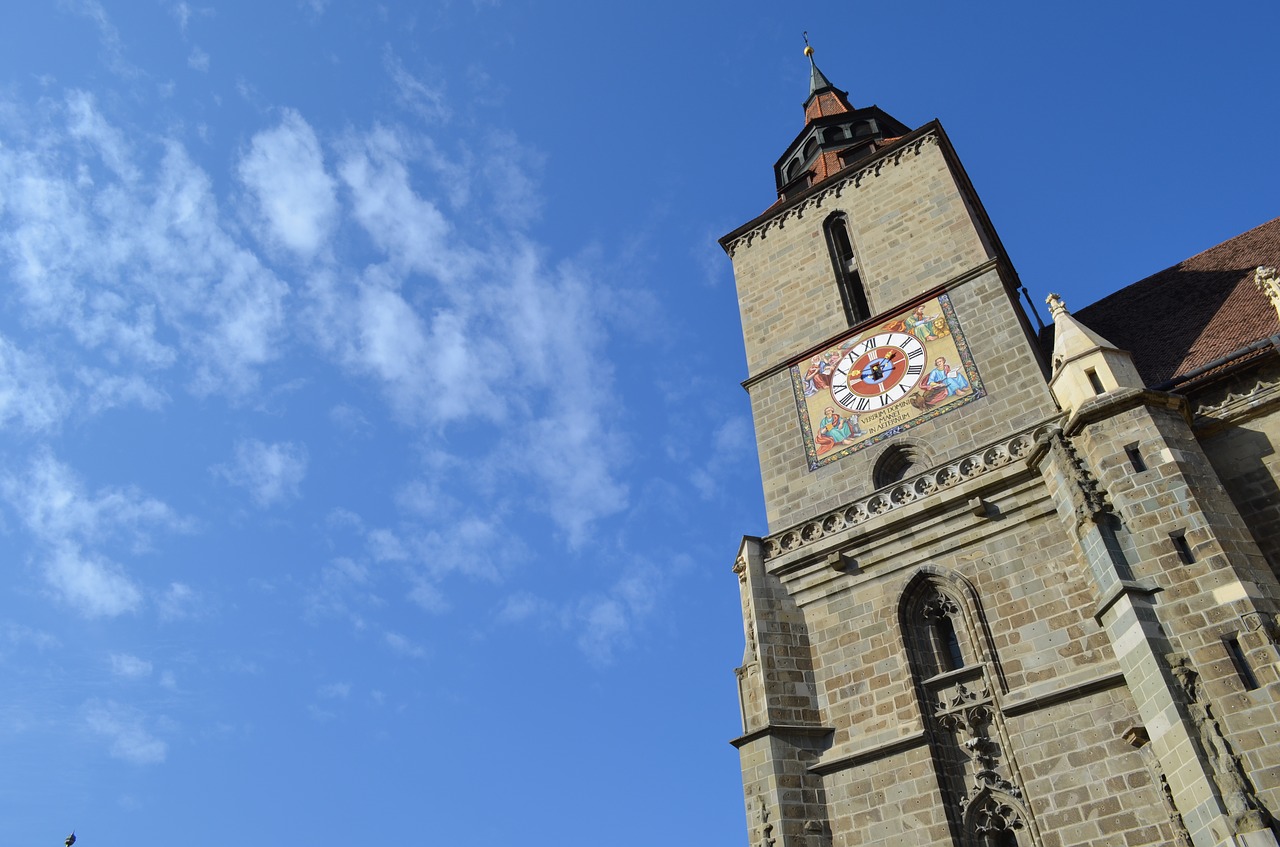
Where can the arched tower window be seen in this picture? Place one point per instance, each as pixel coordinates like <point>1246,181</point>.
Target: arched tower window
<point>845,261</point>
<point>895,464</point>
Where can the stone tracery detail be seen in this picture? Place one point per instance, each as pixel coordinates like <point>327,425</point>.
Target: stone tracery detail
<point>968,740</point>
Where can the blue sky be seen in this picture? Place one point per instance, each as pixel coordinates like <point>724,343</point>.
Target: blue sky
<point>372,455</point>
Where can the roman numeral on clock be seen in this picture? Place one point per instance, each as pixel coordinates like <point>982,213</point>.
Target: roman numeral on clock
<point>864,403</point>
<point>915,370</point>
<point>915,353</point>
<point>845,398</point>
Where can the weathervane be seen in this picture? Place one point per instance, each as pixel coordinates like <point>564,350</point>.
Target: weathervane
<point>808,50</point>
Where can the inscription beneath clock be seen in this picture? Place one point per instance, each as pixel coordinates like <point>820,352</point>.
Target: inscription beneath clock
<point>869,386</point>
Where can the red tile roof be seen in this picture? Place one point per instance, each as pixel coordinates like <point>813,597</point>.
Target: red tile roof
<point>1199,310</point>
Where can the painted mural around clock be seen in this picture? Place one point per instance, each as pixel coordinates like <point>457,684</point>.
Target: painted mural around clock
<point>883,380</point>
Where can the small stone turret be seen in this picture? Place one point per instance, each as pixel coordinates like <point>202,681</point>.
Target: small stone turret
<point>1084,363</point>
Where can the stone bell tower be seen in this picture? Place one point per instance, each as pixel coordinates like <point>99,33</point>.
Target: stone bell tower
<point>955,632</point>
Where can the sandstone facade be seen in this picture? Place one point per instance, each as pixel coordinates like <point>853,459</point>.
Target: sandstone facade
<point>1044,617</point>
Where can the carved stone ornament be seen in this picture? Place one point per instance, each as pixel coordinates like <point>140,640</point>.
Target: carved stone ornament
<point>766,828</point>
<point>1267,281</point>
<point>1088,497</point>
<point>938,605</point>
<point>993,815</point>
<point>910,490</point>
<point>1243,806</point>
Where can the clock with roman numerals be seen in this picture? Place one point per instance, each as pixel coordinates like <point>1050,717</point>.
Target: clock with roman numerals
<point>877,372</point>
<point>888,375</point>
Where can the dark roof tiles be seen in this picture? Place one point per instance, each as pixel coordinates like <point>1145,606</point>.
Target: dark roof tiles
<point>1199,310</point>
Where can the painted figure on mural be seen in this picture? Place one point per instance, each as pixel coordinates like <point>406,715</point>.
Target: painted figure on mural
<point>835,428</point>
<point>946,377</point>
<point>920,325</point>
<point>818,377</point>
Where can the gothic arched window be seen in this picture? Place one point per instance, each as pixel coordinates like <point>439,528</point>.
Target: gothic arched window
<point>848,276</point>
<point>957,680</point>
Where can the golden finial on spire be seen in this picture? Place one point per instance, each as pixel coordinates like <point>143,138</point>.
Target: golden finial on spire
<point>808,51</point>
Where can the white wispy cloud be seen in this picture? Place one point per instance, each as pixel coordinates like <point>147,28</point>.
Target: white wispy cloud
<point>126,732</point>
<point>198,60</point>
<point>182,14</point>
<point>404,646</point>
<point>343,590</point>
<point>30,396</point>
<point>92,584</point>
<point>496,359</point>
<point>108,35</point>
<point>55,506</point>
<point>284,170</point>
<point>271,473</point>
<point>133,264</point>
<point>178,602</point>
<point>20,634</point>
<point>601,623</point>
<point>730,441</point>
<point>425,100</point>
<point>69,522</point>
<point>129,667</point>
<point>408,227</point>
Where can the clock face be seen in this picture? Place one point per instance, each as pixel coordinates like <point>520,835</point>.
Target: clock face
<point>878,372</point>
<point>882,379</point>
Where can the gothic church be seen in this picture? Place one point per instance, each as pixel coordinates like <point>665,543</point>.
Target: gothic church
<point>1019,584</point>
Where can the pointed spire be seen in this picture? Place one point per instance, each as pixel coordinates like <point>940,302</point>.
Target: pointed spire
<point>824,98</point>
<point>817,79</point>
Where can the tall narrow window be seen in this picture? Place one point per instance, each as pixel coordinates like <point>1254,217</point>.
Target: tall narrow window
<point>848,277</point>
<point>947,644</point>
<point>1135,457</point>
<point>1241,663</point>
<point>1184,549</point>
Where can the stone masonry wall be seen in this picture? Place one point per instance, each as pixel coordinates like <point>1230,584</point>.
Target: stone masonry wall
<point>1065,705</point>
<point>1017,398</point>
<point>911,230</point>
<point>1243,449</point>
<point>1219,595</point>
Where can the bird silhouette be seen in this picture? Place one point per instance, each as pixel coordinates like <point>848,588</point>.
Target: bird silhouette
<point>71,839</point>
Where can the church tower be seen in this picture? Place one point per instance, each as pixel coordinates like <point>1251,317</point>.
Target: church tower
<point>971,620</point>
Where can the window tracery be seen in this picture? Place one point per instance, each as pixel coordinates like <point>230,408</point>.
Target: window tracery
<point>958,682</point>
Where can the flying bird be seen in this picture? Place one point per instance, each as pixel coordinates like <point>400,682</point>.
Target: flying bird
<point>71,839</point>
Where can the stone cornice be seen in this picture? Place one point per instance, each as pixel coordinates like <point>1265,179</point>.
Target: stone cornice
<point>1122,400</point>
<point>935,480</point>
<point>869,749</point>
<point>831,188</point>
<point>1237,407</point>
<point>782,729</point>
